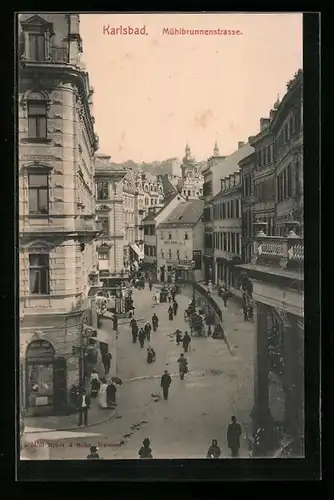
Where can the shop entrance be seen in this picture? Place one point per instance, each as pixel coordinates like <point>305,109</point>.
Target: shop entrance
<point>40,368</point>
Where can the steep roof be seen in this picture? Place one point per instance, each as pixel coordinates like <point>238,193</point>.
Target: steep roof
<point>102,163</point>
<point>229,164</point>
<point>185,214</point>
<point>166,201</point>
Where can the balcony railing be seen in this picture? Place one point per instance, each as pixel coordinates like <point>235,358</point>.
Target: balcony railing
<point>285,252</point>
<point>59,54</point>
<point>56,55</point>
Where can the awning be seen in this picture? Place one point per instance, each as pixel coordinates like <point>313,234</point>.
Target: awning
<point>137,250</point>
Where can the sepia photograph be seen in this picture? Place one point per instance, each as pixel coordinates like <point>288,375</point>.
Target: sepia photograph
<point>161,236</point>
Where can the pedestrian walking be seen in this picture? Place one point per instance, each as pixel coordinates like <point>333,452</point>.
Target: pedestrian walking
<point>111,394</point>
<point>155,322</point>
<point>245,311</point>
<point>250,311</point>
<point>173,294</point>
<point>150,284</point>
<point>170,313</point>
<point>106,360</point>
<point>166,380</point>
<point>145,451</point>
<point>224,296</point>
<point>183,366</point>
<point>147,330</point>
<point>93,454</point>
<point>169,297</point>
<point>186,341</point>
<point>150,357</point>
<point>178,336</point>
<point>233,437</point>
<point>83,407</point>
<point>94,383</point>
<point>134,330</point>
<point>214,450</point>
<point>175,307</point>
<point>141,337</point>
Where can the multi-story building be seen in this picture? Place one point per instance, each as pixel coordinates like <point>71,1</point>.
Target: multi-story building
<point>191,182</point>
<point>153,218</point>
<point>227,232</point>
<point>286,127</point>
<point>180,239</point>
<point>110,214</point>
<point>264,175</point>
<point>247,167</point>
<point>217,168</point>
<point>275,274</point>
<point>57,144</point>
<point>129,195</point>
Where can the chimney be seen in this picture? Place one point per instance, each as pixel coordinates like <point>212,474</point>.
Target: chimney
<point>222,185</point>
<point>232,180</point>
<point>272,114</point>
<point>240,144</point>
<point>264,122</point>
<point>237,178</point>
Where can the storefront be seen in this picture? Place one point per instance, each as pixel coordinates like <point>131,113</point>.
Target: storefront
<point>45,378</point>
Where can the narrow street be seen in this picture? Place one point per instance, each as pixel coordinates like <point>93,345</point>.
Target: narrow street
<point>199,408</point>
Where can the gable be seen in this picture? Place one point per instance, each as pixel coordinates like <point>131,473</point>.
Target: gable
<point>35,22</point>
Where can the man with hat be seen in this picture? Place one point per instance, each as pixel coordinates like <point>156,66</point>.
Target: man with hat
<point>93,454</point>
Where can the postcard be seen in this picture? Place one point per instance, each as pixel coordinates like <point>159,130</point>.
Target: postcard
<point>161,222</point>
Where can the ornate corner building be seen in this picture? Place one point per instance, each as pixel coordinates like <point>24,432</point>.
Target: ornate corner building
<point>191,183</point>
<point>57,144</point>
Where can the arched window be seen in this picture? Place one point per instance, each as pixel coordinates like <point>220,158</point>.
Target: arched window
<point>37,116</point>
<point>146,188</point>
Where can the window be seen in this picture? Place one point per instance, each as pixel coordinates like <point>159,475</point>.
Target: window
<point>103,191</point>
<point>289,181</point>
<point>169,236</point>
<point>39,274</point>
<point>161,235</point>
<point>225,241</point>
<point>152,201</point>
<point>237,244</point>
<point>37,114</point>
<point>185,255</point>
<point>147,201</point>
<point>105,225</point>
<point>185,236</point>
<point>178,254</point>
<point>37,47</point>
<point>169,254</point>
<point>232,209</point>
<point>38,193</point>
<point>237,209</point>
<point>189,192</point>
<point>103,256</point>
<point>162,254</point>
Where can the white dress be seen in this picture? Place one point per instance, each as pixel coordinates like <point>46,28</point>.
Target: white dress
<point>103,396</point>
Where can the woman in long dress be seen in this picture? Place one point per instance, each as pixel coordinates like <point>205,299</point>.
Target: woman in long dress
<point>103,394</point>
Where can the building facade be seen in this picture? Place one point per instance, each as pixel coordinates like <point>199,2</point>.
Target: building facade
<point>287,131</point>
<point>57,144</point>
<point>227,230</point>
<point>150,222</point>
<point>191,183</point>
<point>217,168</point>
<point>180,240</point>
<point>247,167</point>
<point>274,277</point>
<point>110,216</point>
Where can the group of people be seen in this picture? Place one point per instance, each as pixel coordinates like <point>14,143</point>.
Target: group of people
<point>172,310</point>
<point>185,339</point>
<point>103,390</point>
<point>233,442</point>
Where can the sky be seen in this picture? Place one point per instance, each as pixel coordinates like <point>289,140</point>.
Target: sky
<point>154,93</point>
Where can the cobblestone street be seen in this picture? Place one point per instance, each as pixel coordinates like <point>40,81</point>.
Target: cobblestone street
<point>199,408</point>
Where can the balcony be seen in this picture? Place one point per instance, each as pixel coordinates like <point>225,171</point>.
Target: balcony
<point>59,55</point>
<point>56,55</point>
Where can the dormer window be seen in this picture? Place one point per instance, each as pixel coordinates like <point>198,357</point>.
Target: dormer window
<point>37,33</point>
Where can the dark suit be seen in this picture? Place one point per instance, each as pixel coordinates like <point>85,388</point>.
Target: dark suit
<point>83,410</point>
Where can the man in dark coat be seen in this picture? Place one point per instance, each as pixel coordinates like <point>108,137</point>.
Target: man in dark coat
<point>134,328</point>
<point>170,313</point>
<point>155,322</point>
<point>233,437</point>
<point>141,337</point>
<point>186,341</point>
<point>165,384</point>
<point>83,406</point>
<point>173,293</point>
<point>106,360</point>
<point>175,307</point>
<point>147,330</point>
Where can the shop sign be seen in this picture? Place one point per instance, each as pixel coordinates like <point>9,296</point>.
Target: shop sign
<point>40,350</point>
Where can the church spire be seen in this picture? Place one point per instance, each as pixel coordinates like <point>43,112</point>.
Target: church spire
<point>277,103</point>
<point>187,151</point>
<point>216,150</point>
